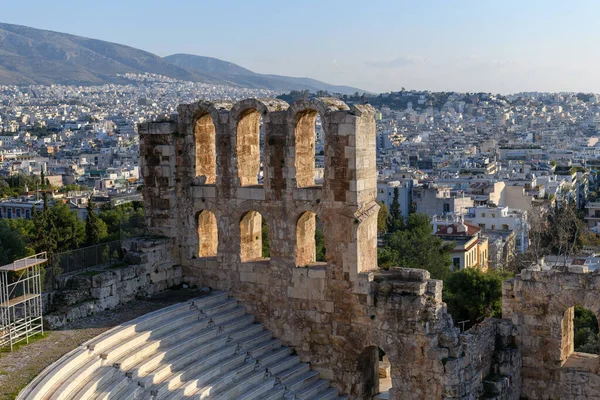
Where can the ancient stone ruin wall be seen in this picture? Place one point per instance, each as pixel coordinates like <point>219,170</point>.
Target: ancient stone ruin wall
<point>202,190</point>
<point>540,303</point>
<point>149,270</point>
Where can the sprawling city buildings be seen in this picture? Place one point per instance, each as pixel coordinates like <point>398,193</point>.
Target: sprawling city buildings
<point>486,160</point>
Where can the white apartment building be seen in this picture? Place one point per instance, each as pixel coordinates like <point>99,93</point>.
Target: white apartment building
<point>502,219</point>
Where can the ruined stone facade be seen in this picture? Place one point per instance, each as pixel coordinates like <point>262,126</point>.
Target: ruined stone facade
<point>149,270</point>
<point>540,303</point>
<point>204,191</point>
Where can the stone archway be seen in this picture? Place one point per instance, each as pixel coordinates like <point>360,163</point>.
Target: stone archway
<point>205,143</point>
<point>250,154</point>
<point>208,236</point>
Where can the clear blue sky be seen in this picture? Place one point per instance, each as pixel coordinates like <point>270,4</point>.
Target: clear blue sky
<point>497,46</point>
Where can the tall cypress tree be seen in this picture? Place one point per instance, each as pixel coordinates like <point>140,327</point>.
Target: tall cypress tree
<point>45,232</point>
<point>92,224</point>
<point>395,220</point>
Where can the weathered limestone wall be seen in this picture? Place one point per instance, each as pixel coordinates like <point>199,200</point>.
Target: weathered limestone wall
<point>80,295</point>
<point>488,351</point>
<point>336,314</point>
<point>540,306</point>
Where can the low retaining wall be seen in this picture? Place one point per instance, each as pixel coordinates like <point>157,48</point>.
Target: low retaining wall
<point>151,270</point>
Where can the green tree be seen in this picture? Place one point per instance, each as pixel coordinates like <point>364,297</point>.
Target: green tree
<point>395,219</point>
<point>585,329</point>
<point>44,234</point>
<point>472,294</point>
<point>123,221</point>
<point>382,218</point>
<point>415,246</point>
<point>266,245</point>
<point>95,228</point>
<point>320,245</point>
<point>13,243</point>
<point>69,228</point>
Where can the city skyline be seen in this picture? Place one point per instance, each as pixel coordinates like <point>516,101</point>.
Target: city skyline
<point>460,46</point>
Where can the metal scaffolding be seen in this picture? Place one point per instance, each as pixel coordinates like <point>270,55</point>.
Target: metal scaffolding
<point>21,300</point>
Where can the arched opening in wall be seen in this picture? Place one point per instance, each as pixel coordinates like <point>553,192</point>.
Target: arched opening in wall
<point>580,347</point>
<point>310,149</point>
<point>250,145</point>
<point>208,237</point>
<point>206,149</point>
<point>375,368</point>
<point>254,237</point>
<point>310,241</point>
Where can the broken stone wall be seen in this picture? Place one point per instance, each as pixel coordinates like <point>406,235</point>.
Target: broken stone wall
<point>334,313</point>
<point>82,294</point>
<point>488,365</point>
<point>539,303</point>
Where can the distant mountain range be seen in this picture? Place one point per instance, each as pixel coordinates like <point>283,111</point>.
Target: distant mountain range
<point>34,56</point>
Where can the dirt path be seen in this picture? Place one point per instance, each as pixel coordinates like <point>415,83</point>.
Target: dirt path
<point>19,367</point>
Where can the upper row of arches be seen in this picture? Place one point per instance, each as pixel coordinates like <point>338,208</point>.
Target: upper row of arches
<point>309,120</point>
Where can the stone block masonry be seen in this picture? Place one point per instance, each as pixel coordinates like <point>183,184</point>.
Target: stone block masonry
<point>84,294</point>
<point>540,304</point>
<point>224,175</point>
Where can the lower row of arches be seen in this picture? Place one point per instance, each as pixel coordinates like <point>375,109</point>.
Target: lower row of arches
<point>254,237</point>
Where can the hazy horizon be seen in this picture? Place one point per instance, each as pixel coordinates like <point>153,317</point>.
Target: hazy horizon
<point>463,46</point>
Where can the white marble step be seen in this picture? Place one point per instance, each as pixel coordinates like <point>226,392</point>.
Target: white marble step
<point>205,348</point>
<point>130,392</point>
<point>218,308</point>
<point>291,372</point>
<point>224,379</point>
<point>172,326</point>
<point>152,320</point>
<point>87,370</point>
<point>145,322</point>
<point>195,331</point>
<point>111,391</point>
<point>235,323</point>
<point>63,388</point>
<point>228,315</point>
<point>202,371</point>
<point>295,382</point>
<point>258,391</point>
<point>245,331</point>
<point>269,358</point>
<point>251,341</point>
<point>195,346</point>
<point>209,352</point>
<point>241,386</point>
<point>55,373</point>
<point>281,365</point>
<point>311,390</point>
<point>197,376</point>
<point>96,385</point>
<point>329,394</point>
<point>277,393</point>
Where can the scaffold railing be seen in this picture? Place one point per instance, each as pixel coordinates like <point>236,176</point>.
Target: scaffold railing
<point>21,300</point>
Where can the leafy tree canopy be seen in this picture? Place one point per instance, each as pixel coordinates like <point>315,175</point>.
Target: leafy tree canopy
<point>472,294</point>
<point>415,246</point>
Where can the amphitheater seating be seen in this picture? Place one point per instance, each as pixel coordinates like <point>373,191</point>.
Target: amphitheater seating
<point>205,348</point>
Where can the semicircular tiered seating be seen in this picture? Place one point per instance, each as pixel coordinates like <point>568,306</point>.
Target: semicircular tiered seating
<point>205,348</point>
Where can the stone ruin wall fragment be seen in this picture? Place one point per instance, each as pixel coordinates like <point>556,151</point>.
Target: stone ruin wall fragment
<point>201,191</point>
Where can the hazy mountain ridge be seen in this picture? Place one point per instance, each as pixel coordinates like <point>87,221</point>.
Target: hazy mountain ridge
<point>245,77</point>
<point>34,56</point>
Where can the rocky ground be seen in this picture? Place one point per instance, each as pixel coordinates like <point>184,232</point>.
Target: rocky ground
<point>19,367</point>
